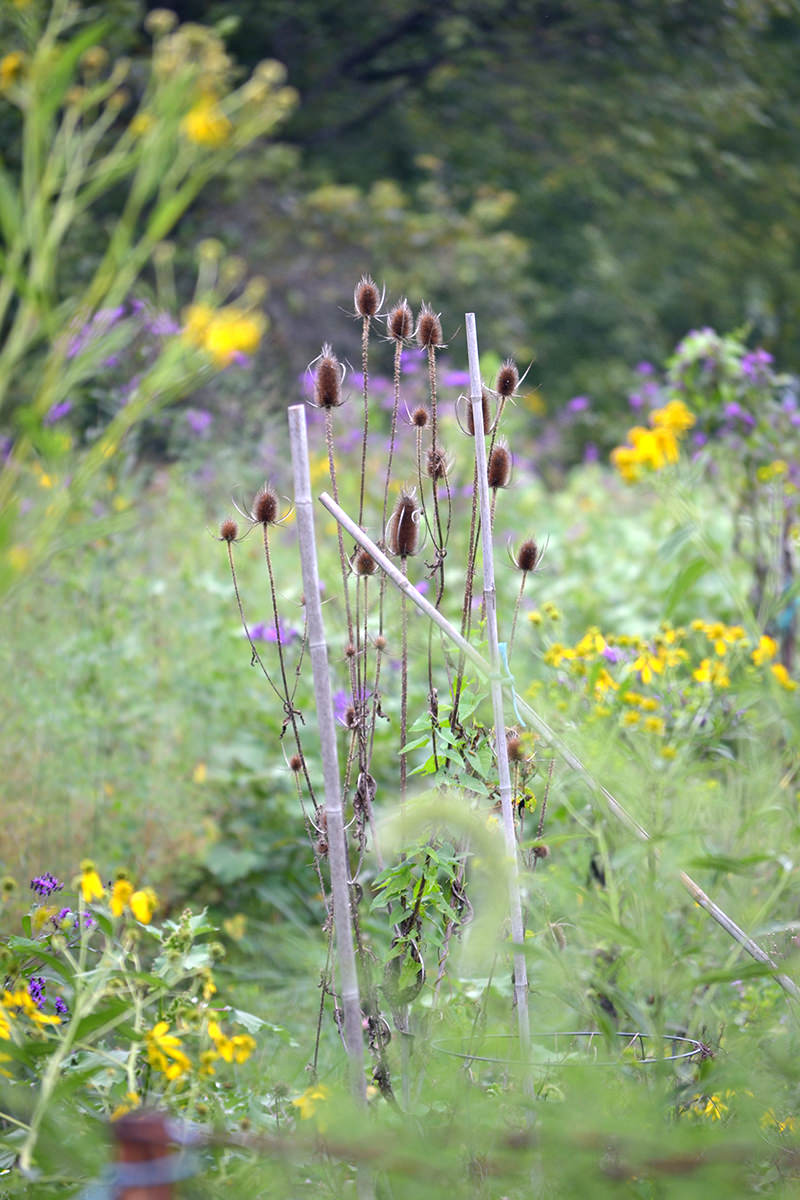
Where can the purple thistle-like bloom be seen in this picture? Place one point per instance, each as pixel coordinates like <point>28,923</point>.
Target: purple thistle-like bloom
<point>645,368</point>
<point>612,655</point>
<point>264,631</point>
<point>591,454</point>
<point>411,360</point>
<point>578,404</point>
<point>57,411</point>
<point>45,885</point>
<point>755,365</point>
<point>636,400</point>
<point>36,990</point>
<point>163,325</point>
<point>62,915</point>
<point>456,379</point>
<point>735,412</point>
<point>199,420</point>
<point>60,1005</point>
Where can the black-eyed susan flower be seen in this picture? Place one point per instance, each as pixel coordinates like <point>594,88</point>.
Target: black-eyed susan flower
<point>143,904</point>
<point>165,1052</point>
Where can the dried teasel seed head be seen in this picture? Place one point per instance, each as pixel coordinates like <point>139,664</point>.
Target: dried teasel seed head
<point>321,847</point>
<point>350,717</point>
<point>366,297</point>
<point>419,417</point>
<point>528,556</point>
<point>228,530</point>
<point>349,650</point>
<point>541,851</point>
<point>485,413</point>
<point>400,323</point>
<point>295,762</point>
<point>265,507</point>
<point>328,380</point>
<point>436,464</point>
<point>403,527</point>
<point>364,563</point>
<point>429,328</point>
<point>507,379</point>
<point>514,748</point>
<point>380,642</point>
<point>499,468</point>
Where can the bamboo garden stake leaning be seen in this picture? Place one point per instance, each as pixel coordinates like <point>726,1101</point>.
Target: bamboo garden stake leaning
<point>337,848</point>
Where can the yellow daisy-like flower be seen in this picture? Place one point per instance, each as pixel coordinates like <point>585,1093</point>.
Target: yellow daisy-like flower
<point>233,331</point>
<point>782,676</point>
<point>311,1099</point>
<point>647,664</point>
<point>674,416</point>
<point>165,1052</point>
<point>765,651</point>
<point>143,904</point>
<point>90,882</point>
<point>132,1100</point>
<point>712,672</point>
<point>11,66</point>
<point>120,895</point>
<point>206,123</point>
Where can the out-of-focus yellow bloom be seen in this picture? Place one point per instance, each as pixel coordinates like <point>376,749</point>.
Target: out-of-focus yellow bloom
<point>674,416</point>
<point>90,882</point>
<point>782,676</point>
<point>120,895</point>
<point>143,904</point>
<point>165,1052</point>
<point>238,1048</point>
<point>311,1099</point>
<point>712,672</point>
<point>11,67</point>
<point>765,651</point>
<point>206,123</point>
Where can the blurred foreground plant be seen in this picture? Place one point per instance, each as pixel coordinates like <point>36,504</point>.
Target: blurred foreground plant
<point>96,136</point>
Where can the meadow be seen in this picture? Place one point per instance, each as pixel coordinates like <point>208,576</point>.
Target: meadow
<point>540,936</point>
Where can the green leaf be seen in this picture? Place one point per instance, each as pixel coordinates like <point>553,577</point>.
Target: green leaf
<point>62,63</point>
<point>682,583</point>
<point>9,208</point>
<point>108,1016</point>
<point>29,946</point>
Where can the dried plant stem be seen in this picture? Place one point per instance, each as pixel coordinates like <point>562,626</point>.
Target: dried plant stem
<point>403,686</point>
<point>551,738</point>
<point>365,323</point>
<point>516,614</point>
<point>337,847</point>
<point>398,351</point>
<point>496,687</point>
<point>342,555</point>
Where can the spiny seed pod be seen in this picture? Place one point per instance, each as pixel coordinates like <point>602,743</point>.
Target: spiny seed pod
<point>403,528</point>
<point>380,642</point>
<point>228,530</point>
<point>429,328</point>
<point>419,417</point>
<point>485,413</point>
<point>400,323</point>
<point>436,464</point>
<point>328,380</point>
<point>366,297</point>
<point>322,848</point>
<point>499,468</point>
<point>349,650</point>
<point>295,762</point>
<point>507,379</point>
<point>528,556</point>
<point>265,507</point>
<point>364,563</point>
<point>541,851</point>
<point>515,751</point>
<point>350,717</point>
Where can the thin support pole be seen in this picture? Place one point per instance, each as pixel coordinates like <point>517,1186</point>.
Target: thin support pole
<point>337,846</point>
<point>532,718</point>
<point>496,687</point>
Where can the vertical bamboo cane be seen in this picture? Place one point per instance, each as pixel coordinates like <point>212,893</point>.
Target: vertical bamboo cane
<point>337,847</point>
<point>496,686</point>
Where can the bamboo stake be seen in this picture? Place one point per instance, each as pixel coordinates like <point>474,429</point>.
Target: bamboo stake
<point>337,846</point>
<point>532,718</point>
<point>496,687</point>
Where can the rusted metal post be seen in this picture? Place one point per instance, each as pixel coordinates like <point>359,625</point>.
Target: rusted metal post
<point>142,1138</point>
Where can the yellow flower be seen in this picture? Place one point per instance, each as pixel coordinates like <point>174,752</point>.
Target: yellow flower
<point>311,1099</point>
<point>120,895</point>
<point>535,617</point>
<point>592,642</point>
<point>558,654</point>
<point>782,676</point>
<point>765,651</point>
<point>141,124</point>
<point>632,717</point>
<point>143,904</point>
<point>239,1047</point>
<point>654,725</point>
<point>711,672</point>
<point>674,416</point>
<point>209,987</point>
<point>165,1052</point>
<point>233,331</point>
<point>90,882</point>
<point>715,1107</point>
<point>196,320</point>
<point>646,664</point>
<point>200,773</point>
<point>206,123</point>
<point>626,460</point>
<point>5,1023</point>
<point>132,1100</point>
<point>11,66</point>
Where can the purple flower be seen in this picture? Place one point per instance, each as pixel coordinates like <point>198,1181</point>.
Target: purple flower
<point>60,1006</point>
<point>735,412</point>
<point>755,365</point>
<point>612,655</point>
<point>341,703</point>
<point>45,885</point>
<point>199,420</point>
<point>578,404</point>
<point>264,631</point>
<point>456,379</point>
<point>63,914</point>
<point>645,368</point>
<point>57,411</point>
<point>36,990</point>
<point>162,325</point>
<point>411,360</point>
<point>590,453</point>
<point>635,399</point>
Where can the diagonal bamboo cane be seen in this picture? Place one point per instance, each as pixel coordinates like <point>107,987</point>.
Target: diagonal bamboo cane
<point>337,847</point>
<point>538,723</point>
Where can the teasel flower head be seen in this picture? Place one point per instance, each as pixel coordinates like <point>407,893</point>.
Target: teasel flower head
<point>437,464</point>
<point>403,526</point>
<point>366,297</point>
<point>507,379</point>
<point>363,563</point>
<point>527,557</point>
<point>265,507</point>
<point>400,322</point>
<point>499,467</point>
<point>328,379</point>
<point>419,417</point>
<point>467,421</point>
<point>228,530</point>
<point>429,328</point>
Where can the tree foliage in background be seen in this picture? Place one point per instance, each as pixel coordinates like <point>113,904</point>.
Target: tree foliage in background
<point>646,151</point>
